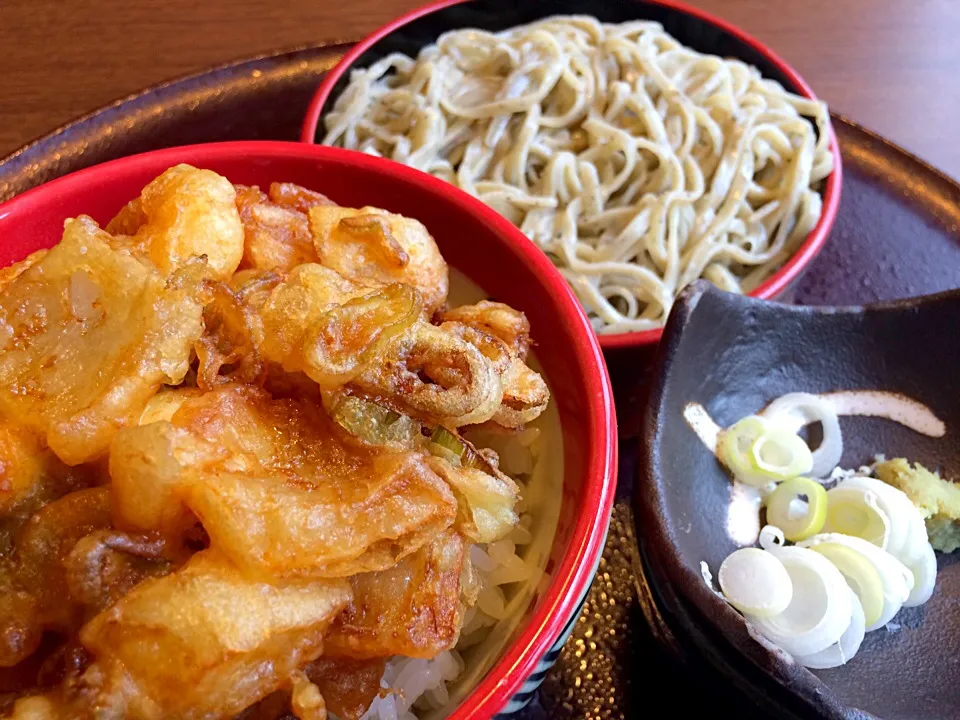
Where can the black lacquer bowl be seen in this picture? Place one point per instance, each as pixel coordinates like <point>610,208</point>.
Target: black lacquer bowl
<point>733,355</point>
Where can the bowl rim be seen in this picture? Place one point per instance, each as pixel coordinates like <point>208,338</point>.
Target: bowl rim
<point>575,572</point>
<point>773,286</point>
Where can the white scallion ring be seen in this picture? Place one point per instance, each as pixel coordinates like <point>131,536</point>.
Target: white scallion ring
<point>908,533</point>
<point>755,582</point>
<point>924,578</point>
<point>897,580</point>
<point>820,609</point>
<point>855,510</point>
<point>842,651</point>
<point>795,410</point>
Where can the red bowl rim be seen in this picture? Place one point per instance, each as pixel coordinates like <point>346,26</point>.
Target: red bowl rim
<point>575,572</point>
<point>773,286</point>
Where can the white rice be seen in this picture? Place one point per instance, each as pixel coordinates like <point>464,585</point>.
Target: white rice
<point>415,688</point>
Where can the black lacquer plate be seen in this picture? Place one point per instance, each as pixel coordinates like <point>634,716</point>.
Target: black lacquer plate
<point>734,354</point>
<point>897,234</point>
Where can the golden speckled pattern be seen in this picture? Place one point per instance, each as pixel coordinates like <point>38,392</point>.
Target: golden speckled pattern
<point>591,677</point>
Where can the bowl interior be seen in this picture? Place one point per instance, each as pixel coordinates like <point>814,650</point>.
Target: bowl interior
<point>733,355</point>
<point>485,249</point>
<point>495,15</point>
<point>704,33</point>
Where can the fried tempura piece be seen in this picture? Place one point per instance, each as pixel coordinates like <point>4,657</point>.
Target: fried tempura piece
<point>276,237</point>
<point>330,529</point>
<point>229,350</point>
<point>412,609</point>
<point>12,272</point>
<point>376,246</point>
<point>165,403</point>
<point>67,565</point>
<point>319,322</point>
<point>30,476</point>
<point>502,334</point>
<point>365,423</point>
<point>277,491</point>
<point>46,540</point>
<point>204,642</point>
<point>297,197</point>
<point>502,321</point>
<point>486,500</point>
<point>306,702</point>
<point>338,332</point>
<point>105,565</point>
<point>433,376</point>
<point>348,686</point>
<point>21,628</point>
<point>183,214</point>
<point>87,335</point>
<point>36,707</point>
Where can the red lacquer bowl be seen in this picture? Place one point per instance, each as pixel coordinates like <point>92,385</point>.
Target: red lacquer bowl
<point>472,238</point>
<point>692,27</point>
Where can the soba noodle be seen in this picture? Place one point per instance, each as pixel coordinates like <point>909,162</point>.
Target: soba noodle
<point>637,164</point>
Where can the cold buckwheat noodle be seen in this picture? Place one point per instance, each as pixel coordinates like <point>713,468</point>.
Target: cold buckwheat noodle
<point>635,163</point>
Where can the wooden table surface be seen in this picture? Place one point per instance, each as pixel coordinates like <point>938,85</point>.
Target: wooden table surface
<point>891,65</point>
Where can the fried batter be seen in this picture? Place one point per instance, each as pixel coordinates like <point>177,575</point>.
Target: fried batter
<point>44,543</point>
<point>276,490</point>
<point>373,245</point>
<point>297,197</point>
<point>503,335</point>
<point>412,609</point>
<point>105,565</point>
<point>306,702</point>
<point>12,272</point>
<point>502,321</point>
<point>486,500</point>
<point>229,350</point>
<point>348,686</point>
<point>87,336</point>
<point>30,476</point>
<point>275,237</point>
<point>204,642</point>
<point>184,214</point>
<point>319,322</point>
<point>434,376</point>
<point>231,479</point>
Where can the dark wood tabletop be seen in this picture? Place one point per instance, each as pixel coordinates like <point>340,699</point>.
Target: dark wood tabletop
<point>891,65</point>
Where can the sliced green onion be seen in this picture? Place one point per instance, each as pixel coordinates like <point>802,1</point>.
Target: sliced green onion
<point>759,452</point>
<point>374,423</point>
<point>908,533</point>
<point>448,441</point>
<point>820,609</point>
<point>798,519</point>
<point>443,453</point>
<point>733,449</point>
<point>451,447</point>
<point>457,451</point>
<point>842,651</point>
<point>897,580</point>
<point>795,410</point>
<point>924,578</point>
<point>755,583</point>
<point>771,537</point>
<point>861,576</point>
<point>780,455</point>
<point>855,511</point>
